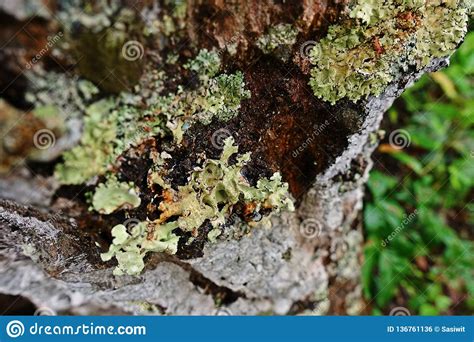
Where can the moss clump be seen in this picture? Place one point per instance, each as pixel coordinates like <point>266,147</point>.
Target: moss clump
<point>364,54</point>
<point>108,45</point>
<point>114,195</point>
<point>278,39</point>
<point>209,196</point>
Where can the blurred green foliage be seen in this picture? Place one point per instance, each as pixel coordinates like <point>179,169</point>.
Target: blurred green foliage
<point>419,211</point>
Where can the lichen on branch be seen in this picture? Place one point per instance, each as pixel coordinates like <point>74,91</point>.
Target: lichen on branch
<point>363,54</point>
<point>209,196</point>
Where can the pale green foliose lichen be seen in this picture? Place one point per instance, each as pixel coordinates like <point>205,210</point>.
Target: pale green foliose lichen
<point>281,35</point>
<point>113,125</point>
<point>110,128</point>
<point>217,96</point>
<point>223,97</point>
<point>90,158</point>
<point>114,195</point>
<point>213,189</point>
<point>206,64</point>
<point>129,248</point>
<point>361,56</point>
<point>211,192</point>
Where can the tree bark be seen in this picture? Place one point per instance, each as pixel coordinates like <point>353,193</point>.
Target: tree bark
<point>307,262</point>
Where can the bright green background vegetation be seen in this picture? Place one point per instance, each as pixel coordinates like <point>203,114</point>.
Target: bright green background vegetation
<point>422,197</point>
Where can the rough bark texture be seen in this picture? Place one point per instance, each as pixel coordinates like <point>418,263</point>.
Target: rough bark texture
<point>308,262</point>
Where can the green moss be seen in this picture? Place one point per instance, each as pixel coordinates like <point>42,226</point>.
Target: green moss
<point>109,50</point>
<point>114,195</point>
<point>179,8</point>
<point>363,55</point>
<point>279,37</point>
